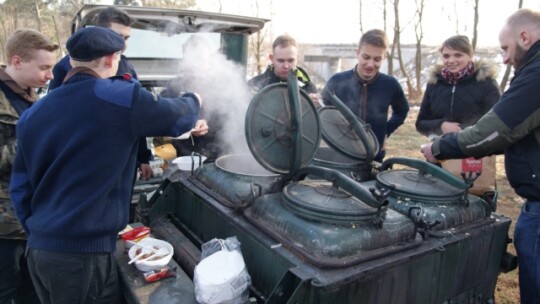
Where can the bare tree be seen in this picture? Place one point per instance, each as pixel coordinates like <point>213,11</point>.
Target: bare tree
<point>419,34</point>
<point>390,53</point>
<point>360,16</point>
<point>475,24</point>
<point>456,18</point>
<point>397,43</point>
<point>259,44</point>
<point>506,77</point>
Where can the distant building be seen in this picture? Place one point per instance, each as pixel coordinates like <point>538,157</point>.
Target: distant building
<point>324,60</point>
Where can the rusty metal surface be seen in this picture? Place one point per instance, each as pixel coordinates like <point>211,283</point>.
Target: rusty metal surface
<point>136,290</point>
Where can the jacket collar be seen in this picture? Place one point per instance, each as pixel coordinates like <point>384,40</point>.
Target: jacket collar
<point>532,55</point>
<point>80,70</point>
<point>28,95</point>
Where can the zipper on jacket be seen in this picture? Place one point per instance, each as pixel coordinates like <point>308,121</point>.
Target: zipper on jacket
<point>452,104</point>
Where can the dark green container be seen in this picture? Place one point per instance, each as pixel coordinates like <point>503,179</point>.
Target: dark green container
<point>315,235</point>
<point>461,268</point>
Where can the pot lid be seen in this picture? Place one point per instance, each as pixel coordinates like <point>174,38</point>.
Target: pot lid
<point>358,142</point>
<point>418,185</point>
<point>321,201</point>
<point>282,127</point>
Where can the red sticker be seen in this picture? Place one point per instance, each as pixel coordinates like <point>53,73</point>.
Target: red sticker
<point>471,164</point>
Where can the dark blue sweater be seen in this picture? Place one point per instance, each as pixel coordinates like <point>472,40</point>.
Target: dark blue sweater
<point>76,154</point>
<point>383,94</point>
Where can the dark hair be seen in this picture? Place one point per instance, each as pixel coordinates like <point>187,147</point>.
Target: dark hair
<point>283,41</point>
<point>112,14</point>
<point>459,43</point>
<point>24,41</point>
<point>374,37</point>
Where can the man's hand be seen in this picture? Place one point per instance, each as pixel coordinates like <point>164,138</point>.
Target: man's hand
<point>317,99</point>
<point>145,171</point>
<point>201,128</point>
<point>450,127</point>
<point>428,154</point>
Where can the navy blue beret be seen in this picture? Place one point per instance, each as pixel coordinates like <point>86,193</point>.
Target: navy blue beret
<point>94,42</point>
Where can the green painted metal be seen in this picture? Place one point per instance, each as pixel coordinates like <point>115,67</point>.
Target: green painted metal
<point>461,267</point>
<point>346,133</point>
<point>280,136</point>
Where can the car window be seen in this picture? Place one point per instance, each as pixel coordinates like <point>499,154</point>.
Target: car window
<point>150,44</point>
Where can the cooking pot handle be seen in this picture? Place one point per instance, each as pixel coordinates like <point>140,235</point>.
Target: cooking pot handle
<point>344,182</point>
<point>424,166</point>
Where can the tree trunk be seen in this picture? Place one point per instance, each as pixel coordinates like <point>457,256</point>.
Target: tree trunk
<point>397,32</point>
<point>38,15</point>
<point>475,24</point>
<point>419,31</point>
<point>506,77</point>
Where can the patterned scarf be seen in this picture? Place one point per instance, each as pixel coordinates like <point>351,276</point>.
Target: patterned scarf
<point>453,78</point>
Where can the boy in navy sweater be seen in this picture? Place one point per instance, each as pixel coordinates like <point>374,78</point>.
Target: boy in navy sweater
<point>74,166</point>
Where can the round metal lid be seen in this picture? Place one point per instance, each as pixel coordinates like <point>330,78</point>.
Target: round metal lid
<point>338,133</point>
<point>418,185</point>
<point>320,200</point>
<point>276,139</point>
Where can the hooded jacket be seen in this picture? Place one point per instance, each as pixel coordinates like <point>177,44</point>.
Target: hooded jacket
<point>464,103</point>
<point>13,101</point>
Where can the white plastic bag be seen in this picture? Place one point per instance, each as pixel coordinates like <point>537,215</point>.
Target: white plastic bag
<point>221,276</point>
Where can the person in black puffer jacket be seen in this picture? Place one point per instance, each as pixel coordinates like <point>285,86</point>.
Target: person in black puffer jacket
<point>284,57</point>
<point>459,91</point>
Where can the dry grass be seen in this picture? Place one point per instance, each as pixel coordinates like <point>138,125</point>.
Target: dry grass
<point>405,142</point>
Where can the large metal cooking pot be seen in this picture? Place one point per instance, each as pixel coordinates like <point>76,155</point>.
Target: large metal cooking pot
<point>282,137</point>
<point>438,201</point>
<point>332,221</point>
<point>352,145</point>
<point>236,179</point>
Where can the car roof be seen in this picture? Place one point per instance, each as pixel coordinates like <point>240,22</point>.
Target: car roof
<point>176,20</point>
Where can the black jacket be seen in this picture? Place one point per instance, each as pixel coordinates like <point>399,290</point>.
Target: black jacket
<point>465,102</point>
<point>513,126</point>
<point>269,77</point>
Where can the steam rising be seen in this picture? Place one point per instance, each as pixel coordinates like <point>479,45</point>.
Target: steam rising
<point>223,88</point>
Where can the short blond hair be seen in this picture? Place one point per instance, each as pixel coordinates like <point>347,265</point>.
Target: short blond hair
<point>23,43</point>
<point>284,41</point>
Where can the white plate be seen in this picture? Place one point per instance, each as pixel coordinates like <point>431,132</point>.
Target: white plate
<point>185,135</point>
<point>184,162</point>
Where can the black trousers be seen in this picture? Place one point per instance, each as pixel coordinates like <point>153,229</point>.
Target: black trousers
<point>15,282</point>
<point>74,277</point>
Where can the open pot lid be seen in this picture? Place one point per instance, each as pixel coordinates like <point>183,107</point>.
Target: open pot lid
<point>321,201</point>
<point>359,143</point>
<point>282,128</point>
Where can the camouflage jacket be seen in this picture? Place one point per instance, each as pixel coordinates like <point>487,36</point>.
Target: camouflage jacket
<point>10,228</point>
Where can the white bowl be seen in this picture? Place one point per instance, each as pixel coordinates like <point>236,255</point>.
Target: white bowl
<point>184,162</point>
<point>151,264</point>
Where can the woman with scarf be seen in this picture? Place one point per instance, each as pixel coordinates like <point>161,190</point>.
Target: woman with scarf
<point>459,91</point>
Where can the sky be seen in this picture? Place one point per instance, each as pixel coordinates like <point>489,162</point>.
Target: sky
<point>337,21</point>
